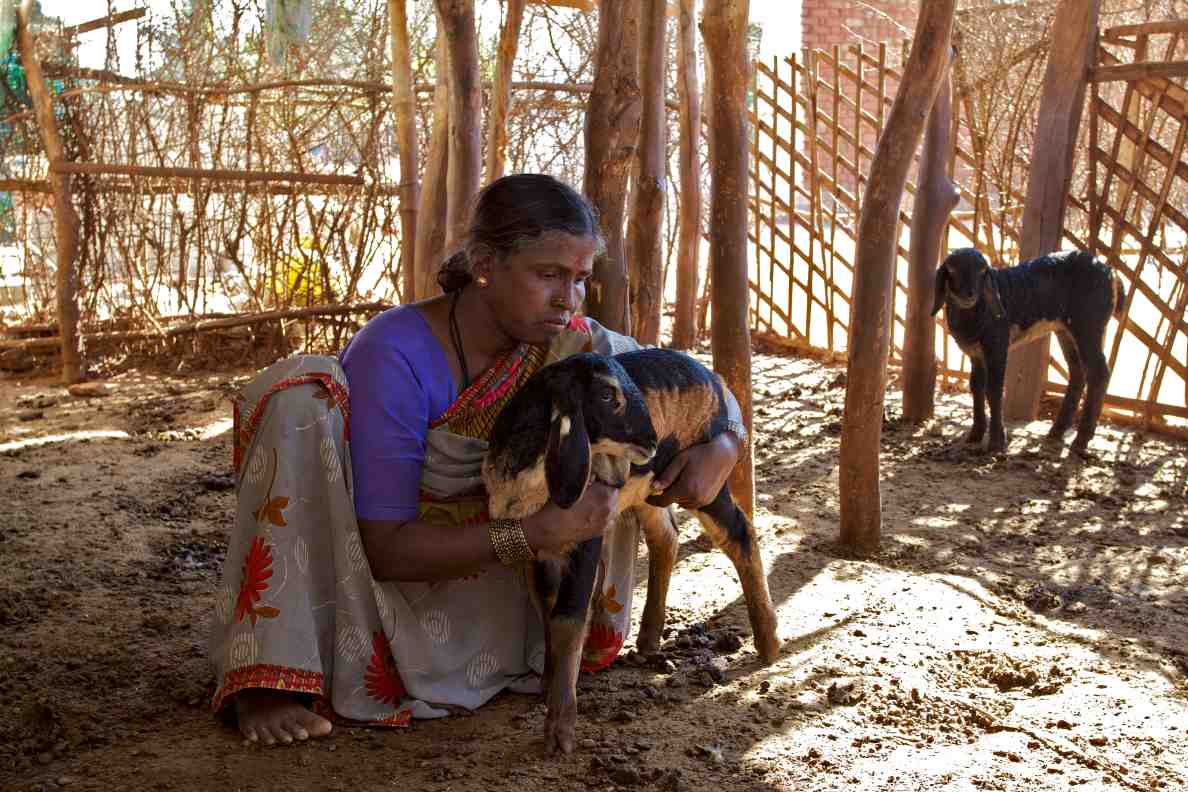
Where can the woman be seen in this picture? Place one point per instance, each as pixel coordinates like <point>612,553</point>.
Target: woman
<point>363,581</point>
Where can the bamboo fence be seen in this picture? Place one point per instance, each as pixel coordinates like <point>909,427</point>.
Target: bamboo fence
<point>815,124</point>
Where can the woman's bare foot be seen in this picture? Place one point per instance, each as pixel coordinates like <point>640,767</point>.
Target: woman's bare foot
<point>270,716</point>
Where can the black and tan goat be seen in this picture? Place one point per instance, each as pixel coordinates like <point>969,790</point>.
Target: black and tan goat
<point>619,420</point>
<point>988,311</point>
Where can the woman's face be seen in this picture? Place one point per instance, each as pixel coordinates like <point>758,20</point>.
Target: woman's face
<point>535,291</point>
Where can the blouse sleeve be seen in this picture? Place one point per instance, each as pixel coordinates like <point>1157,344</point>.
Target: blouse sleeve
<point>389,424</point>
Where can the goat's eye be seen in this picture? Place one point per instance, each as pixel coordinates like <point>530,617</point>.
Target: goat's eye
<point>607,394</point>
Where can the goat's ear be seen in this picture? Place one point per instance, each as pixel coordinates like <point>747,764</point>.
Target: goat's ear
<point>567,457</point>
<point>990,290</point>
<point>938,289</point>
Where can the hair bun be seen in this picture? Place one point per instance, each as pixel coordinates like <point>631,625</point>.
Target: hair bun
<point>454,273</point>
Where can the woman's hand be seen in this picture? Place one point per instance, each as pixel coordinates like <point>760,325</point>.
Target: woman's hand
<point>696,475</point>
<point>553,528</point>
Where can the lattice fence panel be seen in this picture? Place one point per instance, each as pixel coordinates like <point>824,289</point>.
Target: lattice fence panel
<point>816,119</point>
<point>1136,199</point>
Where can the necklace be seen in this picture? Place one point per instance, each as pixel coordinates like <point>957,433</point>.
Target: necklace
<point>456,339</point>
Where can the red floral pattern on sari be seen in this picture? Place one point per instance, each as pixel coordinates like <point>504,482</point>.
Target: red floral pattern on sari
<point>257,569</point>
<point>602,647</point>
<point>382,679</point>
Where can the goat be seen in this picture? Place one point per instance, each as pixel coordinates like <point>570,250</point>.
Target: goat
<point>988,311</point>
<point>619,420</point>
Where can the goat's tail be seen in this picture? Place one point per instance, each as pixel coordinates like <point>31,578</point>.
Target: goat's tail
<point>1119,295</point>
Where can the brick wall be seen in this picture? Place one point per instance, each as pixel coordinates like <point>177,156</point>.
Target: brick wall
<point>844,23</point>
<point>825,23</point>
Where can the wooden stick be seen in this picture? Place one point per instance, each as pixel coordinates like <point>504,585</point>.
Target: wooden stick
<point>1146,28</point>
<point>466,113</point>
<point>405,111</point>
<point>647,197</point>
<point>1143,70</point>
<point>684,332</point>
<point>509,40</point>
<point>723,27</point>
<point>431,210</point>
<point>110,20</point>
<point>58,165</point>
<point>1059,119</point>
<point>936,196</point>
<point>66,220</point>
<point>611,131</point>
<point>203,325</point>
<point>870,320</point>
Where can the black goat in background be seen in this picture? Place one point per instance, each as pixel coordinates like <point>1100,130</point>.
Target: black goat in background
<point>988,311</point>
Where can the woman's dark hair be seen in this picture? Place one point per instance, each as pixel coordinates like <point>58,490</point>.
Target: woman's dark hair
<point>511,213</point>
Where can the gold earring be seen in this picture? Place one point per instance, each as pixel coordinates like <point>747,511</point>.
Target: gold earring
<point>482,281</point>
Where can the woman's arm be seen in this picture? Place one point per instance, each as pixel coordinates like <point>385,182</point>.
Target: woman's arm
<point>419,551</point>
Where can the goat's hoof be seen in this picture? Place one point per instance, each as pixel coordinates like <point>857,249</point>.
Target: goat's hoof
<point>1082,450</point>
<point>768,647</point>
<point>974,438</point>
<point>560,736</point>
<point>1057,432</point>
<point>648,642</point>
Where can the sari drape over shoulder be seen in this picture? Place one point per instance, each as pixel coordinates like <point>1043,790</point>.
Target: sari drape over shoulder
<point>298,609</point>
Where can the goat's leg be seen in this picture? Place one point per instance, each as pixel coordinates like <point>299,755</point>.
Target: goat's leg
<point>977,386</point>
<point>566,630</point>
<point>543,578</point>
<point>1097,375</point>
<point>996,363</point>
<point>661,535</point>
<point>733,533</point>
<point>1076,385</point>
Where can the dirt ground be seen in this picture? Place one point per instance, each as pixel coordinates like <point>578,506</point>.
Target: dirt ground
<point>1025,626</point>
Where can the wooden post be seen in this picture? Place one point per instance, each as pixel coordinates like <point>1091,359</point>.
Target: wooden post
<point>431,210</point>
<point>1069,60</point>
<point>936,196</point>
<point>466,114</point>
<point>647,199</point>
<point>405,112</point>
<point>612,126</point>
<point>724,29</point>
<point>66,220</point>
<point>509,39</point>
<point>874,270</point>
<point>684,331</point>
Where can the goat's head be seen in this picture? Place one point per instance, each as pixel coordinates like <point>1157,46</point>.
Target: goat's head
<point>587,405</point>
<point>964,277</point>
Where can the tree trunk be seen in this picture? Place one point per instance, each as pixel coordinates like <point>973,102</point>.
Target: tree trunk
<point>870,312</point>
<point>466,115</point>
<point>431,211</point>
<point>405,111</point>
<point>612,126</point>
<point>509,40</point>
<point>684,331</point>
<point>724,28</point>
<point>936,196</point>
<point>66,220</point>
<point>1074,40</point>
<point>644,252</point>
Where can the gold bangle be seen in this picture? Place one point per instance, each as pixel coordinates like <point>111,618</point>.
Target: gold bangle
<point>737,429</point>
<point>509,541</point>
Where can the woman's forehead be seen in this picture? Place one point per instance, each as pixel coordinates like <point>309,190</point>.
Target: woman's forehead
<point>558,247</point>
